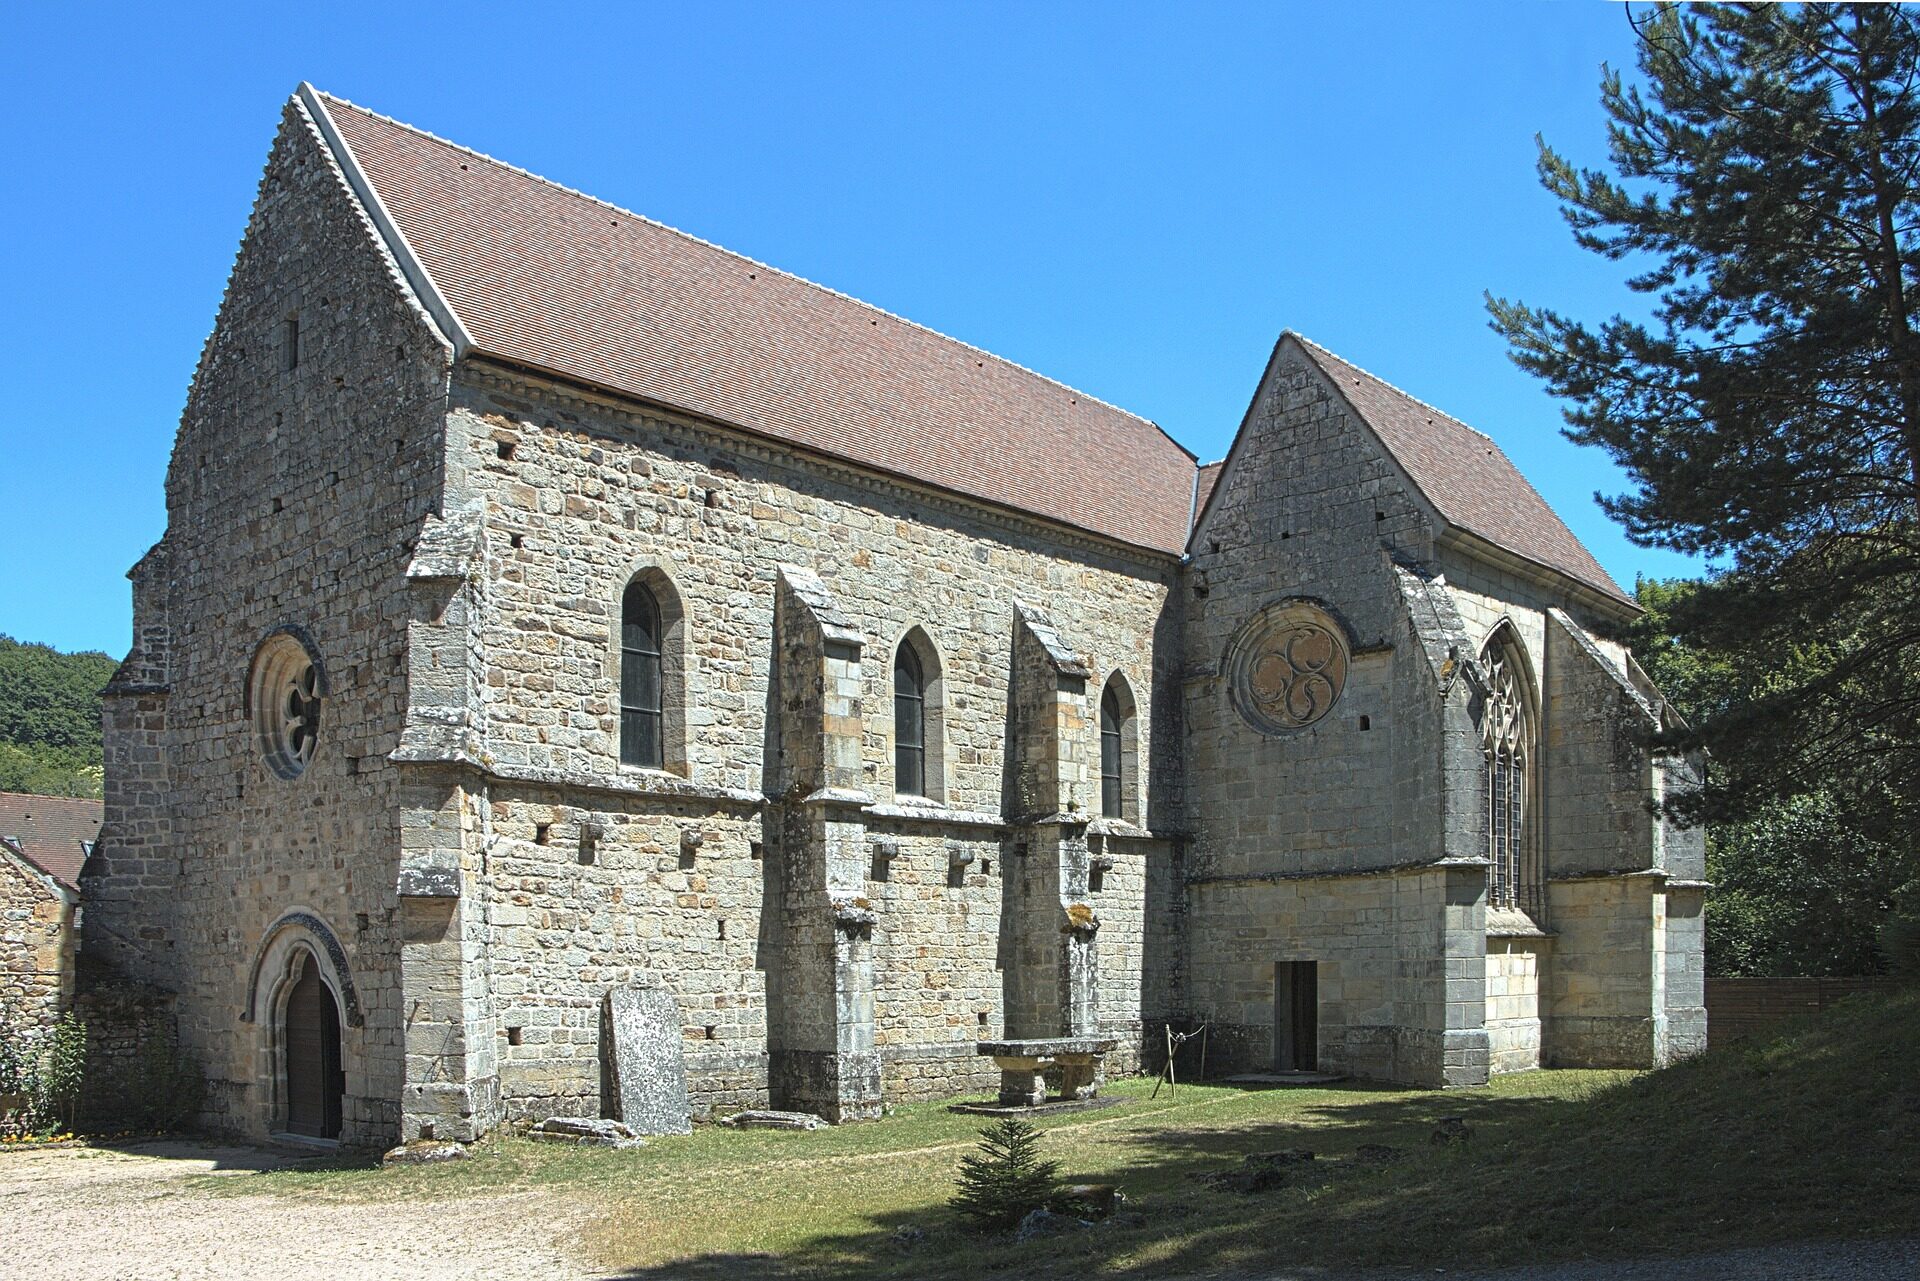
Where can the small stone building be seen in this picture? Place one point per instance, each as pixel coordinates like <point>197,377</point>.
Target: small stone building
<point>44,842</point>
<point>552,602</point>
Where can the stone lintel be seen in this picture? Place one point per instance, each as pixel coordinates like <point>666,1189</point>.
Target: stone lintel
<point>1616,874</point>
<point>1046,1047</point>
<point>933,812</point>
<point>629,782</point>
<point>1341,874</point>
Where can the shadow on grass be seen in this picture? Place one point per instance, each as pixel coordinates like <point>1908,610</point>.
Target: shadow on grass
<point>1339,1209</point>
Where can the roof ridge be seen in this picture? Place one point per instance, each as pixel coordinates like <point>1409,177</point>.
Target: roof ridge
<point>1395,388</point>
<point>732,253</point>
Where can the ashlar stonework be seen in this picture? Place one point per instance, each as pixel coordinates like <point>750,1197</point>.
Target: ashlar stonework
<point>640,617</point>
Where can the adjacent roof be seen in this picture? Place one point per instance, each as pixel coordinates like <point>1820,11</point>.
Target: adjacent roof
<point>549,278</point>
<point>54,833</point>
<point>1203,486</point>
<point>1469,481</point>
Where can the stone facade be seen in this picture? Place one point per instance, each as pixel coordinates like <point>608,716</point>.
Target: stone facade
<point>469,867</point>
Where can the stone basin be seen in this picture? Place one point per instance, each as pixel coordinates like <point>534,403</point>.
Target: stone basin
<point>1023,1062</point>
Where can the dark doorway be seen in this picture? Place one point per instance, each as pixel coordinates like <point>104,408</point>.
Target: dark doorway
<point>315,1081</point>
<point>1296,1016</point>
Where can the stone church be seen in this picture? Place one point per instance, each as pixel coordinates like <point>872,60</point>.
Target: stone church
<point>551,602</point>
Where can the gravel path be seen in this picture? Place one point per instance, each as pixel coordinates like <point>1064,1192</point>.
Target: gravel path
<point>91,1213</point>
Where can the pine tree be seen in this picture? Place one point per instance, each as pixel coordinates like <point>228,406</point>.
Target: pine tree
<point>1007,1180</point>
<point>1767,411</point>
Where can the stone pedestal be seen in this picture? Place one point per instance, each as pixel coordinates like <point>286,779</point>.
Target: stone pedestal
<point>1021,1082</point>
<point>1080,1076</point>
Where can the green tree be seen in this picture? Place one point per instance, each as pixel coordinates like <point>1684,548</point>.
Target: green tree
<point>1766,196</point>
<point>1804,886</point>
<point>1007,1179</point>
<point>50,719</point>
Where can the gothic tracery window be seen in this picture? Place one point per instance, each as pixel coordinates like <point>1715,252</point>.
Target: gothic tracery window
<point>1507,732</point>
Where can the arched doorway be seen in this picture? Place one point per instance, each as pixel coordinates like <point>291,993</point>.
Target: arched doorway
<point>311,1040</point>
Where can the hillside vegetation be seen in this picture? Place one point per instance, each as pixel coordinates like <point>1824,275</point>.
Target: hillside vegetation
<point>50,718</point>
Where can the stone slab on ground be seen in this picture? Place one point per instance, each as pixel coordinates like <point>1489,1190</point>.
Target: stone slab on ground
<point>770,1119</point>
<point>425,1152</point>
<point>1285,1078</point>
<point>996,1108</point>
<point>587,1132</point>
<point>648,1065</point>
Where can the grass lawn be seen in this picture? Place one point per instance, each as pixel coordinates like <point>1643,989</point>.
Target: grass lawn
<point>1812,1135</point>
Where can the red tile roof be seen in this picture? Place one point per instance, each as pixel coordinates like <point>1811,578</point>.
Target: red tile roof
<point>555,280</point>
<point>1203,488</point>
<point>53,832</point>
<point>1464,474</point>
<point>549,278</point>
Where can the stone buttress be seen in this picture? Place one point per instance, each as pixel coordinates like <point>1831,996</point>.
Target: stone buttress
<point>1051,966</point>
<point>452,1087</point>
<point>821,1052</point>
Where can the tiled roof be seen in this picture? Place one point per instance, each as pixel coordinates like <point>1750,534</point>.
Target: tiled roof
<point>554,280</point>
<point>1203,487</point>
<point>1464,474</point>
<point>53,832</point>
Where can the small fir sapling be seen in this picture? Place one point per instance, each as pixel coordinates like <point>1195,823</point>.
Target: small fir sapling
<point>1007,1180</point>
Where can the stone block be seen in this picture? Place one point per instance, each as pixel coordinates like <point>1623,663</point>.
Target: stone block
<point>647,1065</point>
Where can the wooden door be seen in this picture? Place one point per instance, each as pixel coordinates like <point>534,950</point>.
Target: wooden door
<point>1296,1016</point>
<point>314,1078</point>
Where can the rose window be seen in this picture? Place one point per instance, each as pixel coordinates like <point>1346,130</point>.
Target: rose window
<point>1287,667</point>
<point>286,695</point>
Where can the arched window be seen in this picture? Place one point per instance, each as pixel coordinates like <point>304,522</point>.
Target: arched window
<point>1119,757</point>
<point>1110,754</point>
<point>917,736</point>
<point>909,723</point>
<point>641,679</point>
<point>1508,734</point>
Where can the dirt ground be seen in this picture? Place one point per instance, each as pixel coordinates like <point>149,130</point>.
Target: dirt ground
<point>95,1213</point>
<point>68,1214</point>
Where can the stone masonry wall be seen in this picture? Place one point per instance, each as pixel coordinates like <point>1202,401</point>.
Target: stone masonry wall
<point>1310,507</point>
<point>1513,1002</point>
<point>578,495</point>
<point>306,461</point>
<point>36,946</point>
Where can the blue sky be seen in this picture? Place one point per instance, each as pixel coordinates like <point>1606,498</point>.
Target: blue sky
<point>1133,200</point>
